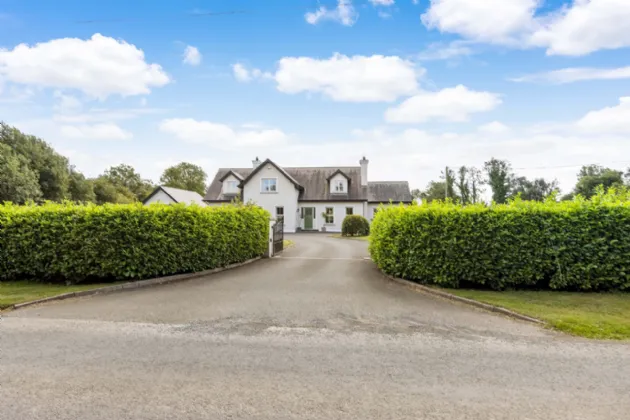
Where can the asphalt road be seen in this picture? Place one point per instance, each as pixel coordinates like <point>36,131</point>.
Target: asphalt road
<point>316,334</point>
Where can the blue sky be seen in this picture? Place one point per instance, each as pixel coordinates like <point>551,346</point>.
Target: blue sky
<point>415,86</point>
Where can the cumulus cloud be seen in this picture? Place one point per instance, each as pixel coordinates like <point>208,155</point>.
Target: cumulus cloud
<point>450,104</point>
<point>494,127</point>
<point>99,66</point>
<point>344,13</point>
<point>615,119</point>
<point>219,135</point>
<point>375,78</point>
<point>245,75</point>
<point>192,56</point>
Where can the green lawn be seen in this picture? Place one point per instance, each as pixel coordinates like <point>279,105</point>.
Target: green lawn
<point>358,238</point>
<point>591,315</point>
<point>12,292</point>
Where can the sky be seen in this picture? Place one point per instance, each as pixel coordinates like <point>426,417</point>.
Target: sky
<point>414,85</point>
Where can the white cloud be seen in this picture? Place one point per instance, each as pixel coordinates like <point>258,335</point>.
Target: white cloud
<point>451,104</point>
<point>344,13</point>
<point>241,73</point>
<point>585,27</point>
<point>192,56</point>
<point>221,136</point>
<point>359,78</point>
<point>494,21</point>
<point>105,131</point>
<point>441,51</point>
<point>382,2</point>
<point>615,119</point>
<point>99,66</point>
<point>93,115</point>
<point>576,74</point>
<point>67,103</point>
<point>494,127</point>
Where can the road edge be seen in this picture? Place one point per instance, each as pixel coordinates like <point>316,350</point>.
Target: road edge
<point>132,285</point>
<point>440,293</point>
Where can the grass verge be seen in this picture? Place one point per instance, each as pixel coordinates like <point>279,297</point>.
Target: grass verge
<point>12,292</point>
<point>591,315</point>
<point>357,238</point>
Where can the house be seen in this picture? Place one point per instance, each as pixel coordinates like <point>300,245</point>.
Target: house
<point>307,198</point>
<point>169,195</point>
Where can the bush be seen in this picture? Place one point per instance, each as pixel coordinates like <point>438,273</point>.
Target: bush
<point>355,225</point>
<point>579,245</point>
<point>78,243</point>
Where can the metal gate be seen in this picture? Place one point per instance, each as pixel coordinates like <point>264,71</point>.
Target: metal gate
<point>278,237</point>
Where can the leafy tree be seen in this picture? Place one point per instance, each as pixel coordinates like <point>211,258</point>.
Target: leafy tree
<point>536,190</point>
<point>500,178</point>
<point>435,191</point>
<point>449,181</point>
<point>591,176</point>
<point>107,192</point>
<point>51,168</point>
<point>185,176</point>
<point>125,177</point>
<point>81,189</point>
<point>18,183</point>
<point>416,193</point>
<point>468,185</point>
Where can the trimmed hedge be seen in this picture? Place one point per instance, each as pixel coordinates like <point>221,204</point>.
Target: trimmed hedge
<point>579,245</point>
<point>78,243</point>
<point>355,225</point>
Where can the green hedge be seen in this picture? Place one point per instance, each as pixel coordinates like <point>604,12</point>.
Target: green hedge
<point>579,245</point>
<point>355,225</point>
<point>77,243</point>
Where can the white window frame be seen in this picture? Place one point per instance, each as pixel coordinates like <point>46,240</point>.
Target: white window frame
<point>262,185</point>
<point>228,184</point>
<point>339,186</point>
<point>280,217</point>
<point>330,217</point>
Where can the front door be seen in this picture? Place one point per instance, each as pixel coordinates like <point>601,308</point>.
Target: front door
<point>309,213</point>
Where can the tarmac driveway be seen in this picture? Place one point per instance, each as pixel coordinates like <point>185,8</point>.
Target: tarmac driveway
<point>315,334</point>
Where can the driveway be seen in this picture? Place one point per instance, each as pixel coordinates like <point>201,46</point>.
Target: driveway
<point>314,334</point>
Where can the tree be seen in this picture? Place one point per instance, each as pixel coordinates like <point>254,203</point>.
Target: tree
<point>436,190</point>
<point>107,192</point>
<point>449,181</point>
<point>185,176</point>
<point>500,179</point>
<point>591,176</point>
<point>416,193</point>
<point>81,189</point>
<point>51,168</point>
<point>536,190</point>
<point>18,183</point>
<point>125,177</point>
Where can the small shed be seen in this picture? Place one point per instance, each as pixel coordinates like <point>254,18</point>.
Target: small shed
<point>169,195</point>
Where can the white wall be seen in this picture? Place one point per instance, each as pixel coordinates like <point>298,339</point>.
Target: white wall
<point>370,211</point>
<point>333,181</point>
<point>285,196</point>
<point>160,197</point>
<point>339,211</point>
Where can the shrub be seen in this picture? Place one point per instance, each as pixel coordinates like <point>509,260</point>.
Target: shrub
<point>77,243</point>
<point>355,225</point>
<point>579,245</point>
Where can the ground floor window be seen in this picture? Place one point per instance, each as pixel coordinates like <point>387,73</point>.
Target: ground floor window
<point>329,215</point>
<point>349,211</point>
<point>280,214</point>
<point>374,213</point>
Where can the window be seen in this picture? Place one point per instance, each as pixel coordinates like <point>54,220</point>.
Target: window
<point>230,187</point>
<point>268,185</point>
<point>329,216</point>
<point>338,186</point>
<point>349,211</point>
<point>280,214</point>
<point>374,213</point>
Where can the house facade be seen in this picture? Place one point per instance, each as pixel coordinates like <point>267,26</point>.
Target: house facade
<point>307,198</point>
<point>169,195</point>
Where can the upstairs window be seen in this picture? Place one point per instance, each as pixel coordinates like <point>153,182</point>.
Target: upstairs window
<point>329,215</point>
<point>268,185</point>
<point>339,187</point>
<point>231,187</point>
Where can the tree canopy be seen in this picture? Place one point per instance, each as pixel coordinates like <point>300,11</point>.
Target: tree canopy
<point>185,176</point>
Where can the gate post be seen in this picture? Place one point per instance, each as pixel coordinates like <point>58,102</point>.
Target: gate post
<point>270,243</point>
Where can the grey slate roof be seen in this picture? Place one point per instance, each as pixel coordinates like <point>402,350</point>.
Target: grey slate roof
<point>180,196</point>
<point>314,181</point>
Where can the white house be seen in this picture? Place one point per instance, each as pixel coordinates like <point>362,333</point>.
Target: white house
<point>169,195</point>
<point>307,198</point>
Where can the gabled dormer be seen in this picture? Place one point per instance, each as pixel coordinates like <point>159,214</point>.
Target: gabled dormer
<point>230,183</point>
<point>338,182</point>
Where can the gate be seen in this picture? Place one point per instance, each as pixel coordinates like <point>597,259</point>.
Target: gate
<point>278,237</point>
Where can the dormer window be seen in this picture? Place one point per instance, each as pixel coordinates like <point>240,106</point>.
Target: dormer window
<point>339,186</point>
<point>231,187</point>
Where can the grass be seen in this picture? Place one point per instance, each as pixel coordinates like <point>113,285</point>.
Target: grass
<point>357,238</point>
<point>12,292</point>
<point>591,315</point>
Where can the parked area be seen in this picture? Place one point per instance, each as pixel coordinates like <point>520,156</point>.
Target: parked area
<point>314,334</point>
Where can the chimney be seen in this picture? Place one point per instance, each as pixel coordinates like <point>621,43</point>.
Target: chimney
<point>256,163</point>
<point>364,177</point>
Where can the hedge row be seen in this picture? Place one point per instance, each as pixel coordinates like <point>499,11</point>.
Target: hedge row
<point>77,243</point>
<point>580,245</point>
